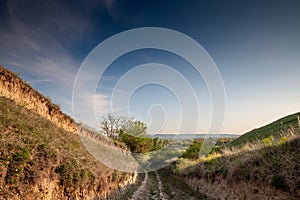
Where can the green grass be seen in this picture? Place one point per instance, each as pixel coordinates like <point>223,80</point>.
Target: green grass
<point>173,185</point>
<point>153,185</point>
<point>281,162</point>
<point>276,128</point>
<point>32,149</point>
<point>269,155</point>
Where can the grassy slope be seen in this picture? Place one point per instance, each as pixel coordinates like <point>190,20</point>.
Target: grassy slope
<point>275,162</point>
<point>275,128</point>
<point>277,165</point>
<point>32,149</point>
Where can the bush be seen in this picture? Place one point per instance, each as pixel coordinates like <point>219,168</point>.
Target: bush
<point>279,183</point>
<point>71,175</point>
<point>192,151</point>
<point>267,141</point>
<point>137,144</point>
<point>22,154</point>
<point>16,164</point>
<point>65,172</point>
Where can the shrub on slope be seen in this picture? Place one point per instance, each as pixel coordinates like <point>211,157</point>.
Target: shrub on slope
<point>34,151</point>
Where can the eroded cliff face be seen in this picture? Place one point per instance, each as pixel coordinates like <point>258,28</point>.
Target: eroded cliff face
<point>14,88</point>
<point>103,189</point>
<point>48,188</point>
<point>220,188</point>
<point>44,182</point>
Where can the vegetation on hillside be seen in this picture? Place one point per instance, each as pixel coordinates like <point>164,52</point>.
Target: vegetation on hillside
<point>18,90</point>
<point>131,132</point>
<point>33,149</point>
<point>271,159</point>
<point>275,129</point>
<point>279,162</point>
<point>192,152</point>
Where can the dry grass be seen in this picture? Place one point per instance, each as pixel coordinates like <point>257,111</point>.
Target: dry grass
<point>273,140</point>
<point>274,161</point>
<point>32,149</point>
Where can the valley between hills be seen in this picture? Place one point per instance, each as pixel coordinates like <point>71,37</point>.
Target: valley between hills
<point>42,157</point>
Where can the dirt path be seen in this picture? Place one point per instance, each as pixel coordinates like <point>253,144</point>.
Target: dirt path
<point>142,191</point>
<point>149,189</point>
<point>159,185</point>
<point>173,188</point>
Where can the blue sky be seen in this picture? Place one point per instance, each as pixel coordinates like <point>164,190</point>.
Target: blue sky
<point>255,45</point>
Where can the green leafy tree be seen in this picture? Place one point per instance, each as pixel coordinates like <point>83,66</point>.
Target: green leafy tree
<point>134,135</point>
<point>136,144</point>
<point>192,151</point>
<point>134,127</point>
<point>158,144</point>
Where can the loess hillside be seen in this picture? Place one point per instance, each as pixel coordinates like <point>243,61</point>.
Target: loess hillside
<point>18,90</point>
<point>40,160</point>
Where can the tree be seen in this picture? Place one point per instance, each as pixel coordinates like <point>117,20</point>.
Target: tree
<point>133,133</point>
<point>111,125</point>
<point>158,144</point>
<point>135,128</point>
<point>193,150</point>
<point>136,144</point>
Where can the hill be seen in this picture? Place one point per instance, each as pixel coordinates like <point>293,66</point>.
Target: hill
<point>274,129</point>
<point>41,153</point>
<point>40,160</point>
<point>264,164</point>
<point>268,173</point>
<point>18,90</point>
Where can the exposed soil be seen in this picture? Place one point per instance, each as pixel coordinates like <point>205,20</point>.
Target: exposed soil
<point>159,185</point>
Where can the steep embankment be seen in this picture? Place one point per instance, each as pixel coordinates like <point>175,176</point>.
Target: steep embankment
<point>14,88</point>
<point>40,158</point>
<point>266,168</point>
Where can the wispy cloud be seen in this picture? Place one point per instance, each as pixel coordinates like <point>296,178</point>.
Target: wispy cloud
<point>110,78</point>
<point>110,7</point>
<point>89,108</point>
<point>41,80</point>
<point>36,51</point>
<point>37,38</point>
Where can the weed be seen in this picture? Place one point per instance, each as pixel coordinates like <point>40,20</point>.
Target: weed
<point>21,155</point>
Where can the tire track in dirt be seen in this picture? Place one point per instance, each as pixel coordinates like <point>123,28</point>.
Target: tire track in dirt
<point>142,191</point>
<point>160,187</point>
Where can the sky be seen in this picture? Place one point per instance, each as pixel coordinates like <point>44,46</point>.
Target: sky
<point>254,44</point>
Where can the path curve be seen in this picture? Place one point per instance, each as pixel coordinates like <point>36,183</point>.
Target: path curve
<point>140,192</point>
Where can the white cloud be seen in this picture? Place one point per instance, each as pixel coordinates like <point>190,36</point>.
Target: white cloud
<point>38,48</point>
<point>89,108</point>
